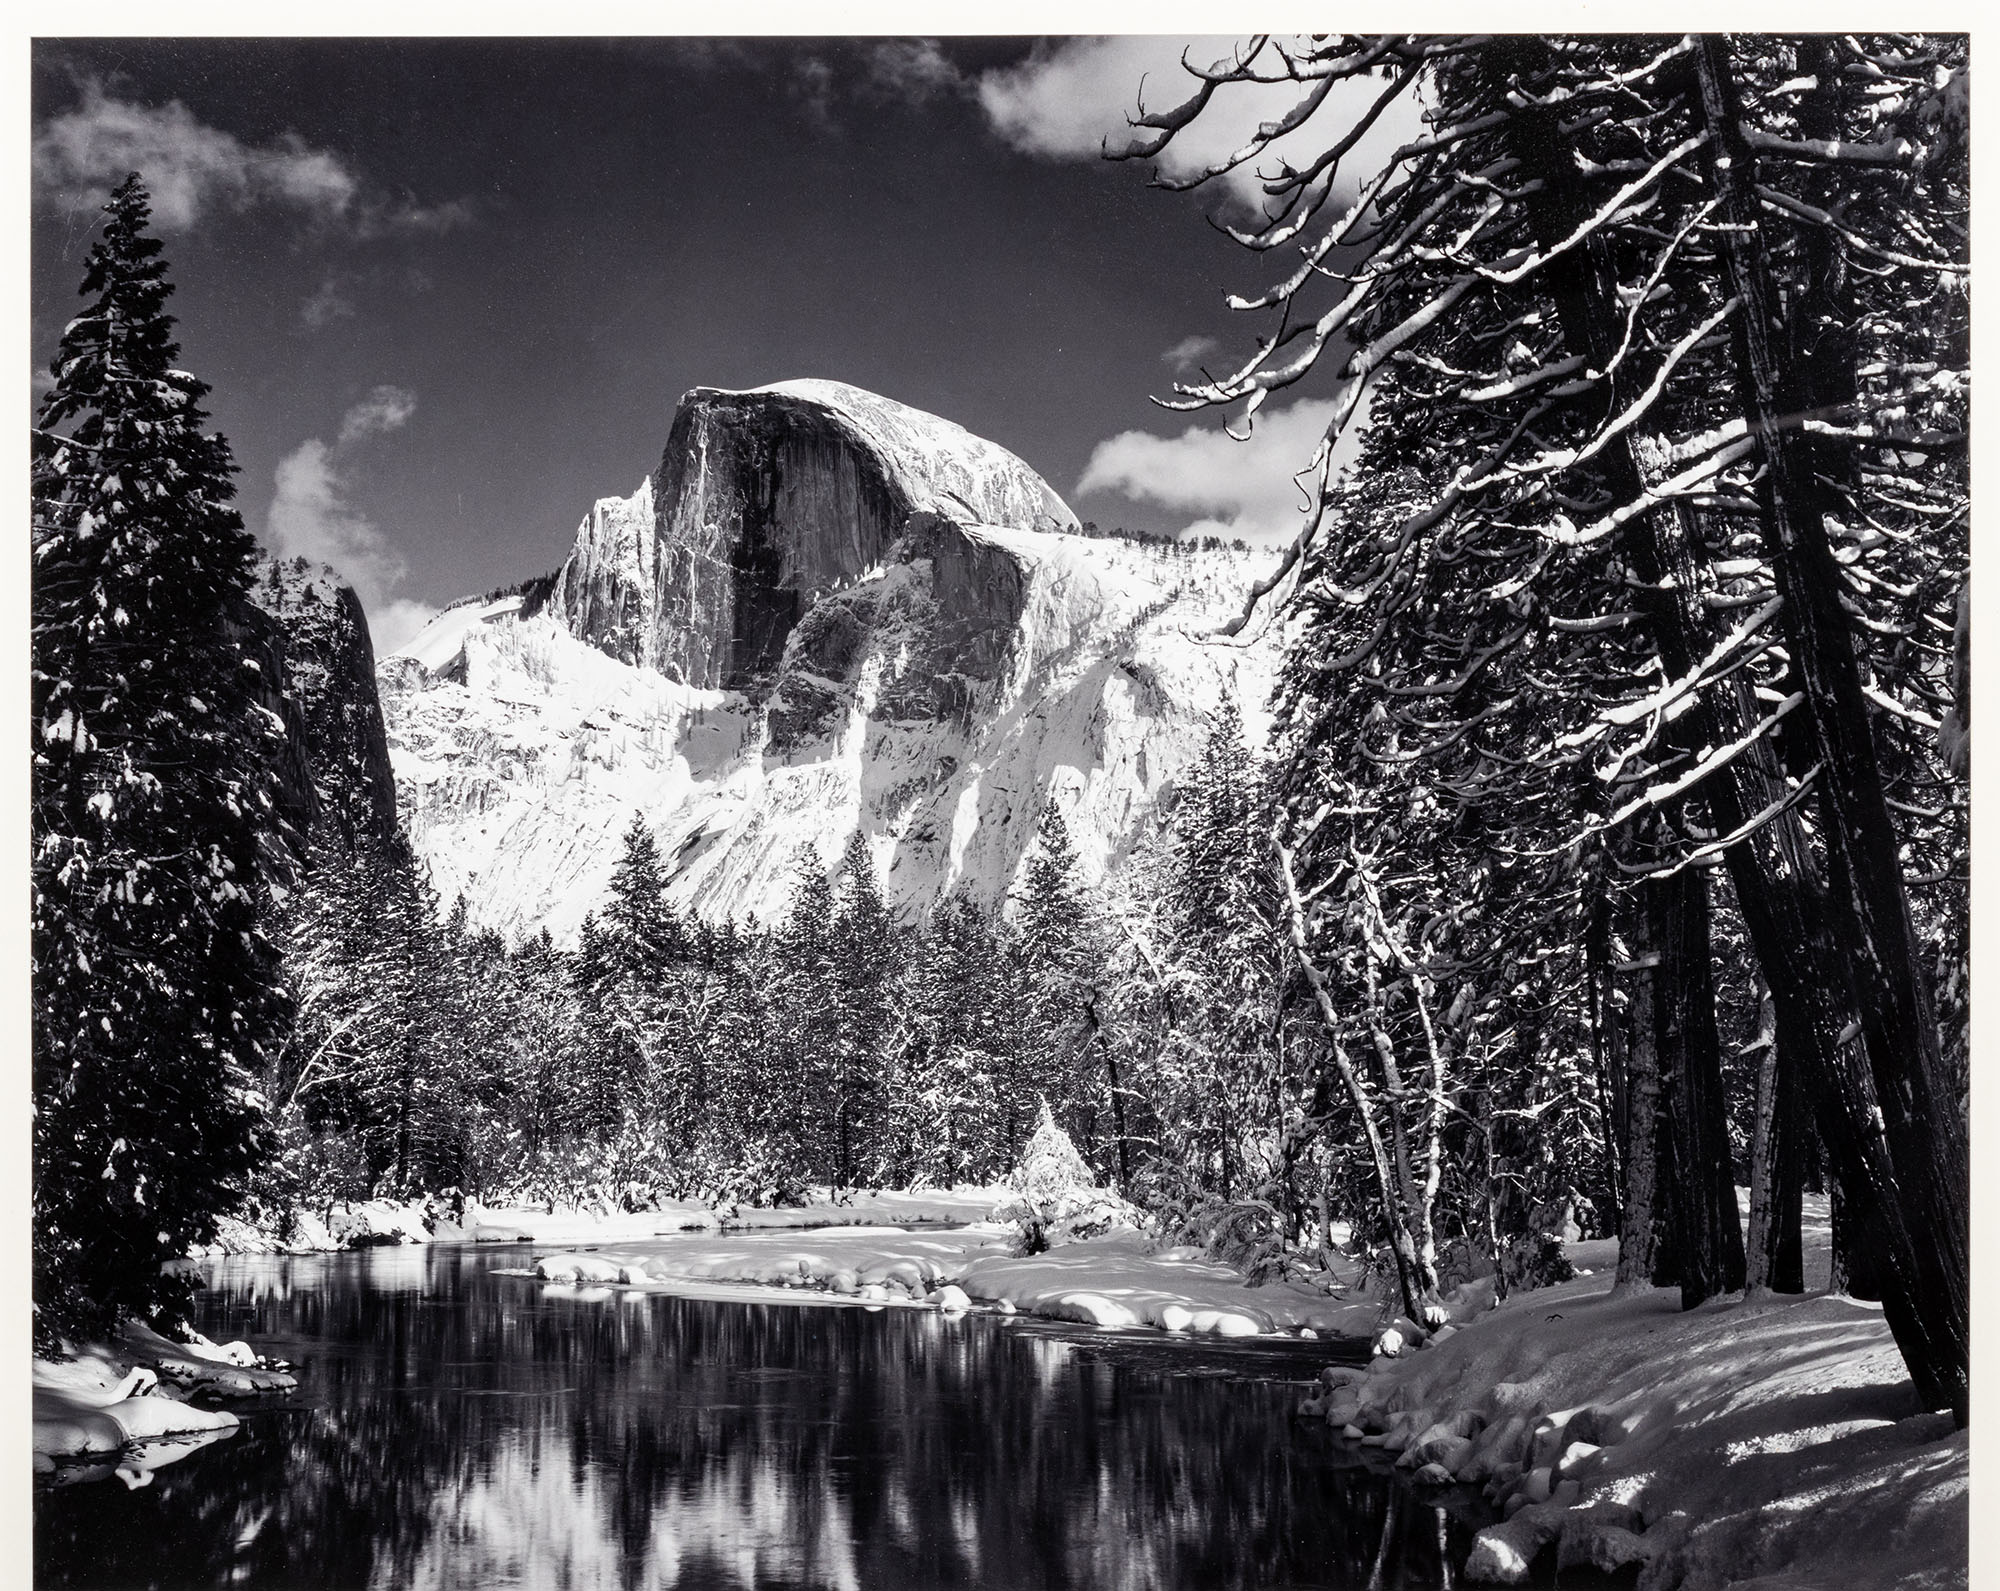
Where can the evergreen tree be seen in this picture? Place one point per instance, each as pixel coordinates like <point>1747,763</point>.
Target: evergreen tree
<point>948,1126</point>
<point>1058,1051</point>
<point>804,1019</point>
<point>638,916</point>
<point>866,954</point>
<point>155,990</point>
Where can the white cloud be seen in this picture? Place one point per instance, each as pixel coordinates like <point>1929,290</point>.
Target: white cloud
<point>393,624</point>
<point>1068,100</point>
<point>813,79</point>
<point>1186,355</point>
<point>1233,488</point>
<point>311,517</point>
<point>385,409</point>
<point>192,170</point>
<point>913,70</point>
<point>330,302</point>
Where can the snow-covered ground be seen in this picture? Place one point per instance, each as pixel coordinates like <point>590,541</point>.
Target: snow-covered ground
<point>1119,1279</point>
<point>367,1223</point>
<point>1774,1443</point>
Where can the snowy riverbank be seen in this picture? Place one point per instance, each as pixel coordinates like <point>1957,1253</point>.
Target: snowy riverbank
<point>1773,1443</point>
<point>127,1407</point>
<point>372,1222</point>
<point>1119,1279</point>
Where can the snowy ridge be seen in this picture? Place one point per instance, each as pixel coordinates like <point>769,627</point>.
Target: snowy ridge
<point>440,645</point>
<point>607,584</point>
<point>517,780</point>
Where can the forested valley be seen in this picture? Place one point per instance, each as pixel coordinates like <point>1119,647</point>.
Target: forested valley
<point>1611,849</point>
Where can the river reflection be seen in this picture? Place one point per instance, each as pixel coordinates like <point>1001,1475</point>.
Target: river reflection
<point>458,1428</point>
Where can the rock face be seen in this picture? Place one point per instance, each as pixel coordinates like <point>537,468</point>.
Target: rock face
<point>311,642</point>
<point>846,615</point>
<point>765,500</point>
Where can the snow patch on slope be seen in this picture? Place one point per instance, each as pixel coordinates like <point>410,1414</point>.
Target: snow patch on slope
<point>440,644</point>
<point>906,706</point>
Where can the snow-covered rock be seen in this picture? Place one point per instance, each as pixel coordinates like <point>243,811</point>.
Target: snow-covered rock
<point>578,1268</point>
<point>823,611</point>
<point>1504,1554</point>
<point>376,1221</point>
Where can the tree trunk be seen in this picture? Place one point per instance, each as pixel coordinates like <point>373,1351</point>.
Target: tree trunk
<point>1642,1095</point>
<point>1870,911</point>
<point>1490,1203</point>
<point>1418,1289</point>
<point>1610,1084</point>
<point>1777,1166</point>
<point>1412,1207</point>
<point>1708,1235</point>
<point>1839,1280</point>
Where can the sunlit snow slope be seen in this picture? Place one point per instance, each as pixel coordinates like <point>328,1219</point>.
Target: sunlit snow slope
<point>823,610</point>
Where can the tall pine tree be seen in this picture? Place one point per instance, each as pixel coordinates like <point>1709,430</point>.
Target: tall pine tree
<point>155,991</point>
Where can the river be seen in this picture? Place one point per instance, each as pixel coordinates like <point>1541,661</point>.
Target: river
<point>459,1428</point>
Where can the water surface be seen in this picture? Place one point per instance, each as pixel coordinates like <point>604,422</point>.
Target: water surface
<point>458,1428</point>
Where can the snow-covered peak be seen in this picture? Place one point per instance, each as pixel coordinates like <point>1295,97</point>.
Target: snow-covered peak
<point>825,612</point>
<point>944,467</point>
<point>764,501</point>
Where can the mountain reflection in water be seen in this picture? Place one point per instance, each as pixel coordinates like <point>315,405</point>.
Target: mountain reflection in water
<point>458,1428</point>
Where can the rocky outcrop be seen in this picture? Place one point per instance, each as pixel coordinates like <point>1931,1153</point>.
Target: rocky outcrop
<point>763,502</point>
<point>317,660</point>
<point>607,590</point>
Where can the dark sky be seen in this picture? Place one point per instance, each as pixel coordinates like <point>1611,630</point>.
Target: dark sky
<point>540,244</point>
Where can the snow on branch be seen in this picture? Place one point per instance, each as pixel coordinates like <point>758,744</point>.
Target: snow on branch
<point>1706,672</point>
<point>1712,850</point>
<point>1896,153</point>
<point>1658,795</point>
<point>1777,199</point>
<point>1567,535</point>
<point>1604,213</point>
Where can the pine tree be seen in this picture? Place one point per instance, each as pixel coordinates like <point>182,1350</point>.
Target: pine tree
<point>866,953</point>
<point>946,1098</point>
<point>155,991</point>
<point>1057,1051</point>
<point>638,915</point>
<point>803,1001</point>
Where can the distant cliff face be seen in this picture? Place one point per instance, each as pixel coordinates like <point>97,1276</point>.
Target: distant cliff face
<point>318,661</point>
<point>847,615</point>
<point>764,501</point>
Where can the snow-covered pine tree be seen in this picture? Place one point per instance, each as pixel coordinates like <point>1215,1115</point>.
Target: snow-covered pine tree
<point>954,1042</point>
<point>868,959</point>
<point>155,990</point>
<point>629,965</point>
<point>1213,1077</point>
<point>638,916</point>
<point>1056,1052</point>
<point>803,1001</point>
